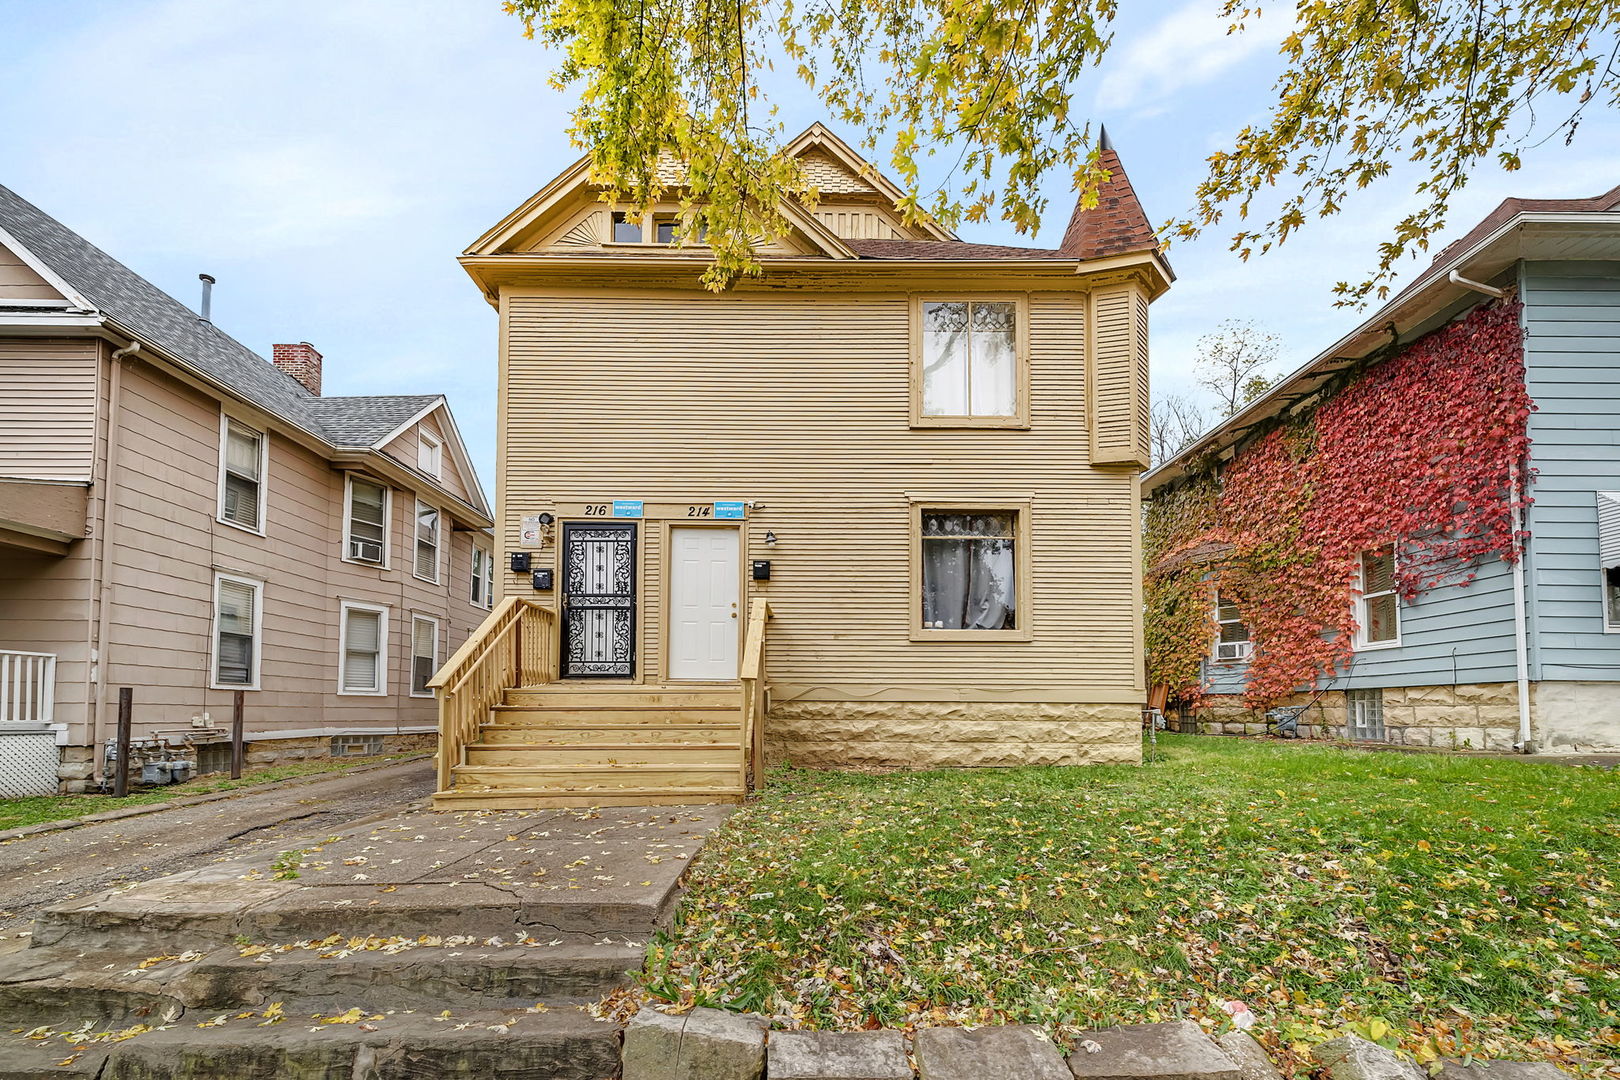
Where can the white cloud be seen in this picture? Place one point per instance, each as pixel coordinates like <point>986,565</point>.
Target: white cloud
<point>1188,48</point>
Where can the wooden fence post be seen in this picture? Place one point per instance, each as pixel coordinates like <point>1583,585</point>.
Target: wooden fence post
<point>238,746</point>
<point>126,706</point>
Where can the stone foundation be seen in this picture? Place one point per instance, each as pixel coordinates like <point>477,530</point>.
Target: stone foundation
<point>1576,717</point>
<point>946,734</point>
<point>1469,716</point>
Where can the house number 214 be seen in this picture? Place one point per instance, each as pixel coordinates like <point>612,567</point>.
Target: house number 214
<point>699,511</point>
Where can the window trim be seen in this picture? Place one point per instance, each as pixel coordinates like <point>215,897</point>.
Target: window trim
<point>225,422</point>
<point>1019,420</point>
<point>488,582</point>
<point>1609,627</point>
<point>438,540</point>
<point>1362,644</point>
<point>426,440</point>
<point>387,522</point>
<point>1023,589</point>
<point>256,670</point>
<point>1215,647</point>
<point>410,684</point>
<point>344,607</point>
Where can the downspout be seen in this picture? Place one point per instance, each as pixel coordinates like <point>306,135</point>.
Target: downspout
<point>1478,286</point>
<point>109,507</point>
<point>1521,636</point>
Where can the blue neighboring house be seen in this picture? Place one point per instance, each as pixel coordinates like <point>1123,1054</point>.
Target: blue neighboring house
<point>1527,656</point>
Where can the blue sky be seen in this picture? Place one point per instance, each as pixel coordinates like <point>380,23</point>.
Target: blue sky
<point>327,160</point>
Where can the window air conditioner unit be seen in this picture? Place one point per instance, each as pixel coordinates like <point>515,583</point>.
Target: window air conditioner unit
<point>1233,650</point>
<point>365,550</point>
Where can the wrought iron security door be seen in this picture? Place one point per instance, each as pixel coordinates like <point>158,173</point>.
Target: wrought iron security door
<point>599,601</point>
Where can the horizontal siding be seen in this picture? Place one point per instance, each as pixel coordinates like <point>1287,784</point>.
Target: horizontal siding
<point>19,281</point>
<point>165,546</point>
<point>802,402</point>
<point>1452,634</point>
<point>1572,325</point>
<point>47,408</point>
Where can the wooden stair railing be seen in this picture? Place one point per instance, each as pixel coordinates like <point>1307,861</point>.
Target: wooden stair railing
<point>752,675</point>
<point>515,646</point>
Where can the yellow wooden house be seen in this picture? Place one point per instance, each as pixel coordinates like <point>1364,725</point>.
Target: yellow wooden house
<point>878,506</point>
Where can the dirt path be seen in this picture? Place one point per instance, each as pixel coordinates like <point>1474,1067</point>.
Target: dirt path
<point>37,871</point>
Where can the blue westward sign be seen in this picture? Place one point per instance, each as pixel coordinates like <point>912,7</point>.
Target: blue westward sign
<point>627,508</point>
<point>729,509</point>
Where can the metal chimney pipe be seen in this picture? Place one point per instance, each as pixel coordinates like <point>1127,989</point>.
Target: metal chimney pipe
<point>208,295</point>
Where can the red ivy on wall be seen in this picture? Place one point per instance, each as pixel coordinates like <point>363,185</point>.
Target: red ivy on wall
<point>1422,449</point>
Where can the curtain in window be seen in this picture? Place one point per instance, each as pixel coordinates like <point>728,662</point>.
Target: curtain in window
<point>362,646</point>
<point>968,580</point>
<point>235,628</point>
<point>424,651</point>
<point>427,542</point>
<point>970,359</point>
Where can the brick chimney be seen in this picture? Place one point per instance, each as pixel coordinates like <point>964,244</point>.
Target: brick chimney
<point>301,361</point>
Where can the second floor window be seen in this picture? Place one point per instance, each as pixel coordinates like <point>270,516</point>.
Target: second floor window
<point>1379,607</point>
<point>1232,638</point>
<point>483,577</point>
<point>427,542</point>
<point>969,363</point>
<point>368,522</point>
<point>241,486</point>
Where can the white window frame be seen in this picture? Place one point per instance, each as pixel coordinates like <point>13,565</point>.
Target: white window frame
<point>438,540</point>
<point>1239,655</point>
<point>431,447</point>
<point>388,521</point>
<point>344,607</point>
<point>410,684</point>
<point>483,587</point>
<point>1362,596</point>
<point>258,633</point>
<point>1610,626</point>
<point>225,422</point>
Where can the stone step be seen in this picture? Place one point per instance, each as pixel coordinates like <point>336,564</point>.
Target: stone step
<point>567,696</point>
<point>46,985</point>
<point>713,778</point>
<point>592,733</point>
<point>564,1043</point>
<point>185,912</point>
<point>550,756</point>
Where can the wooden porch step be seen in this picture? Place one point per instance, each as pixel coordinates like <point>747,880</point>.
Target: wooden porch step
<point>711,779</point>
<point>552,756</point>
<point>538,799</point>
<point>641,715</point>
<point>624,698</point>
<point>566,732</point>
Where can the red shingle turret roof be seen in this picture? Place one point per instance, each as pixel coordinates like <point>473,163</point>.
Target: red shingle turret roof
<point>1117,224</point>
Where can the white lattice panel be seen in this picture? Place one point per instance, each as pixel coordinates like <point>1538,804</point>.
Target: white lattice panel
<point>27,764</point>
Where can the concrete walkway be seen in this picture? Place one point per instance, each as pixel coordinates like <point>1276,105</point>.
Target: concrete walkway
<point>48,868</point>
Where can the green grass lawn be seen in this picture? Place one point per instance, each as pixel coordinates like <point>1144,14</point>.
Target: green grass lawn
<point>1469,904</point>
<point>16,813</point>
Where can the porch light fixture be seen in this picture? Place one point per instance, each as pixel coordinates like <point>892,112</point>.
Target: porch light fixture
<point>770,538</point>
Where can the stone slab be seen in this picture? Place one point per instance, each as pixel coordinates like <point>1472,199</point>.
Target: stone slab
<point>1014,1052</point>
<point>1249,1056</point>
<point>1174,1051</point>
<point>1500,1070</point>
<point>1351,1057</point>
<point>839,1055</point>
<point>704,1044</point>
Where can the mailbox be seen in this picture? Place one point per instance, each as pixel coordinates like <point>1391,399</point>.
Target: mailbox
<point>762,569</point>
<point>542,580</point>
<point>520,562</point>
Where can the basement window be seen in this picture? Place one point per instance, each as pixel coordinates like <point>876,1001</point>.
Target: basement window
<point>1364,719</point>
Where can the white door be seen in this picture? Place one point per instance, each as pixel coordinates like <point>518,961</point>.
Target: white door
<point>703,613</point>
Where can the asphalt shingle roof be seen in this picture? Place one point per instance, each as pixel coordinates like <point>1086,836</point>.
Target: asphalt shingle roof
<point>119,293</point>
